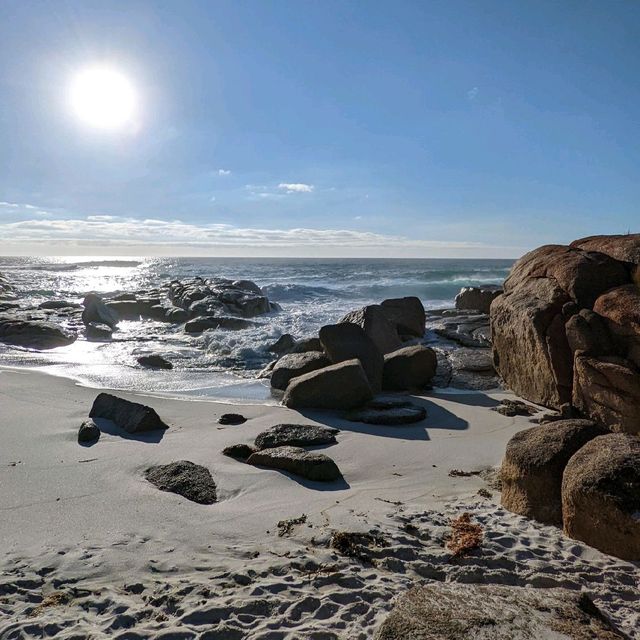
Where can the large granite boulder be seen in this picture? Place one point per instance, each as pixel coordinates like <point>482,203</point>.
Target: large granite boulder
<point>296,364</point>
<point>587,332</point>
<point>454,611</point>
<point>407,314</point>
<point>533,465</point>
<point>601,495</point>
<point>607,389</point>
<point>34,334</point>
<point>624,248</point>
<point>477,298</point>
<point>308,464</point>
<point>339,386</point>
<point>409,368</point>
<point>95,310</point>
<point>346,341</point>
<point>377,326</point>
<point>133,417</point>
<point>187,479</point>
<point>295,435</point>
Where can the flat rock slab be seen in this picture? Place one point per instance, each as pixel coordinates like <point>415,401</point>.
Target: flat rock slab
<point>187,479</point>
<point>133,417</point>
<point>388,412</point>
<point>444,611</point>
<point>308,464</point>
<point>296,435</point>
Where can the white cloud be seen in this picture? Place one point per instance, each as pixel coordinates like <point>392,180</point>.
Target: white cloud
<point>12,205</point>
<point>296,187</point>
<point>224,172</point>
<point>472,94</point>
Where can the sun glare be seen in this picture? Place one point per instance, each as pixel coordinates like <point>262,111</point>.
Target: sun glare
<point>103,98</point>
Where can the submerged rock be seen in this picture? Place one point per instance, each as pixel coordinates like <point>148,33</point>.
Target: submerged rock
<point>213,322</point>
<point>130,416</point>
<point>444,611</point>
<point>187,479</point>
<point>88,432</point>
<point>154,361</point>
<point>308,464</point>
<point>34,334</point>
<point>297,435</point>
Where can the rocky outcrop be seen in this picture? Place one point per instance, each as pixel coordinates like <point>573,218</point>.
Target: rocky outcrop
<point>98,331</point>
<point>133,417</point>
<point>308,464</point>
<point>295,435</point>
<point>34,334</point>
<point>533,465</point>
<point>296,364</point>
<point>154,361</point>
<point>407,314</point>
<point>187,479</point>
<point>567,328</point>
<point>601,495</point>
<point>376,324</point>
<point>477,298</point>
<point>347,341</point>
<point>339,386</point>
<point>450,610</point>
<point>198,325</point>
<point>95,310</point>
<point>409,368</point>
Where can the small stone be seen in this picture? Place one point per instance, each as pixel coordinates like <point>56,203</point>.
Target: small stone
<point>231,419</point>
<point>88,432</point>
<point>192,481</point>
<point>154,361</point>
<point>297,435</point>
<point>239,451</point>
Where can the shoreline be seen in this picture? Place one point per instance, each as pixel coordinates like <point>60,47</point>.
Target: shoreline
<point>84,523</point>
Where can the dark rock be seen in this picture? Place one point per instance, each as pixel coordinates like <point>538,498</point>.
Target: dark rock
<point>407,314</point>
<point>95,310</point>
<point>88,432</point>
<point>177,315</point>
<point>308,464</point>
<point>211,322</point>
<point>125,309</point>
<point>512,408</point>
<point>477,298</point>
<point>601,495</point>
<point>231,419</point>
<point>130,416</point>
<point>533,465</point>
<point>98,331</point>
<point>154,361</point>
<point>57,304</point>
<point>282,345</point>
<point>392,412</point>
<point>296,435</point>
<point>340,386</point>
<point>409,368</point>
<point>296,364</point>
<point>189,480</point>
<point>130,297</point>
<point>452,611</point>
<point>307,344</point>
<point>239,451</point>
<point>347,341</point>
<point>34,334</point>
<point>375,323</point>
<point>471,359</point>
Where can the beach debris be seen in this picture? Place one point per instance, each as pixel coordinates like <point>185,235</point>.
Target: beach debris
<point>239,451</point>
<point>388,412</point>
<point>292,365</point>
<point>190,480</point>
<point>133,417</point>
<point>601,495</point>
<point>458,473</point>
<point>88,432</point>
<point>296,435</point>
<point>512,408</point>
<point>308,464</point>
<point>485,493</point>
<point>465,535</point>
<point>231,419</point>
<point>54,599</point>
<point>446,610</point>
<point>285,527</point>
<point>34,334</point>
<point>346,341</point>
<point>409,368</point>
<point>339,386</point>
<point>534,463</point>
<point>154,361</point>
<point>357,545</point>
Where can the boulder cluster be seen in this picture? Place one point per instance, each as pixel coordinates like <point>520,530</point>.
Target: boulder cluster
<point>574,314</point>
<point>351,361</point>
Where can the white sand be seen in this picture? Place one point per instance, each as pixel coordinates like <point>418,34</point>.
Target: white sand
<point>79,524</point>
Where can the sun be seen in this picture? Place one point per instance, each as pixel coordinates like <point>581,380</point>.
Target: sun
<point>103,98</point>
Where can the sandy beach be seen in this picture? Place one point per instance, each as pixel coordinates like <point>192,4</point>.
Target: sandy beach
<point>92,549</point>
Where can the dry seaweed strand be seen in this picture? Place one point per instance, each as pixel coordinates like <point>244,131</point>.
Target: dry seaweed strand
<point>465,535</point>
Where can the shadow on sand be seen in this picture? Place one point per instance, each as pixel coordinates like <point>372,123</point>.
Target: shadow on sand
<point>110,427</point>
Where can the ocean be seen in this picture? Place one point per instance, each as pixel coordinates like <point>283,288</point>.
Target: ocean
<point>222,365</point>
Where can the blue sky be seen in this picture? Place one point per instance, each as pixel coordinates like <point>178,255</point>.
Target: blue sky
<point>302,128</point>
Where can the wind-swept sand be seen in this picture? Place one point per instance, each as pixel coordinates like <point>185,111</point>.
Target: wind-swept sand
<point>91,549</point>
